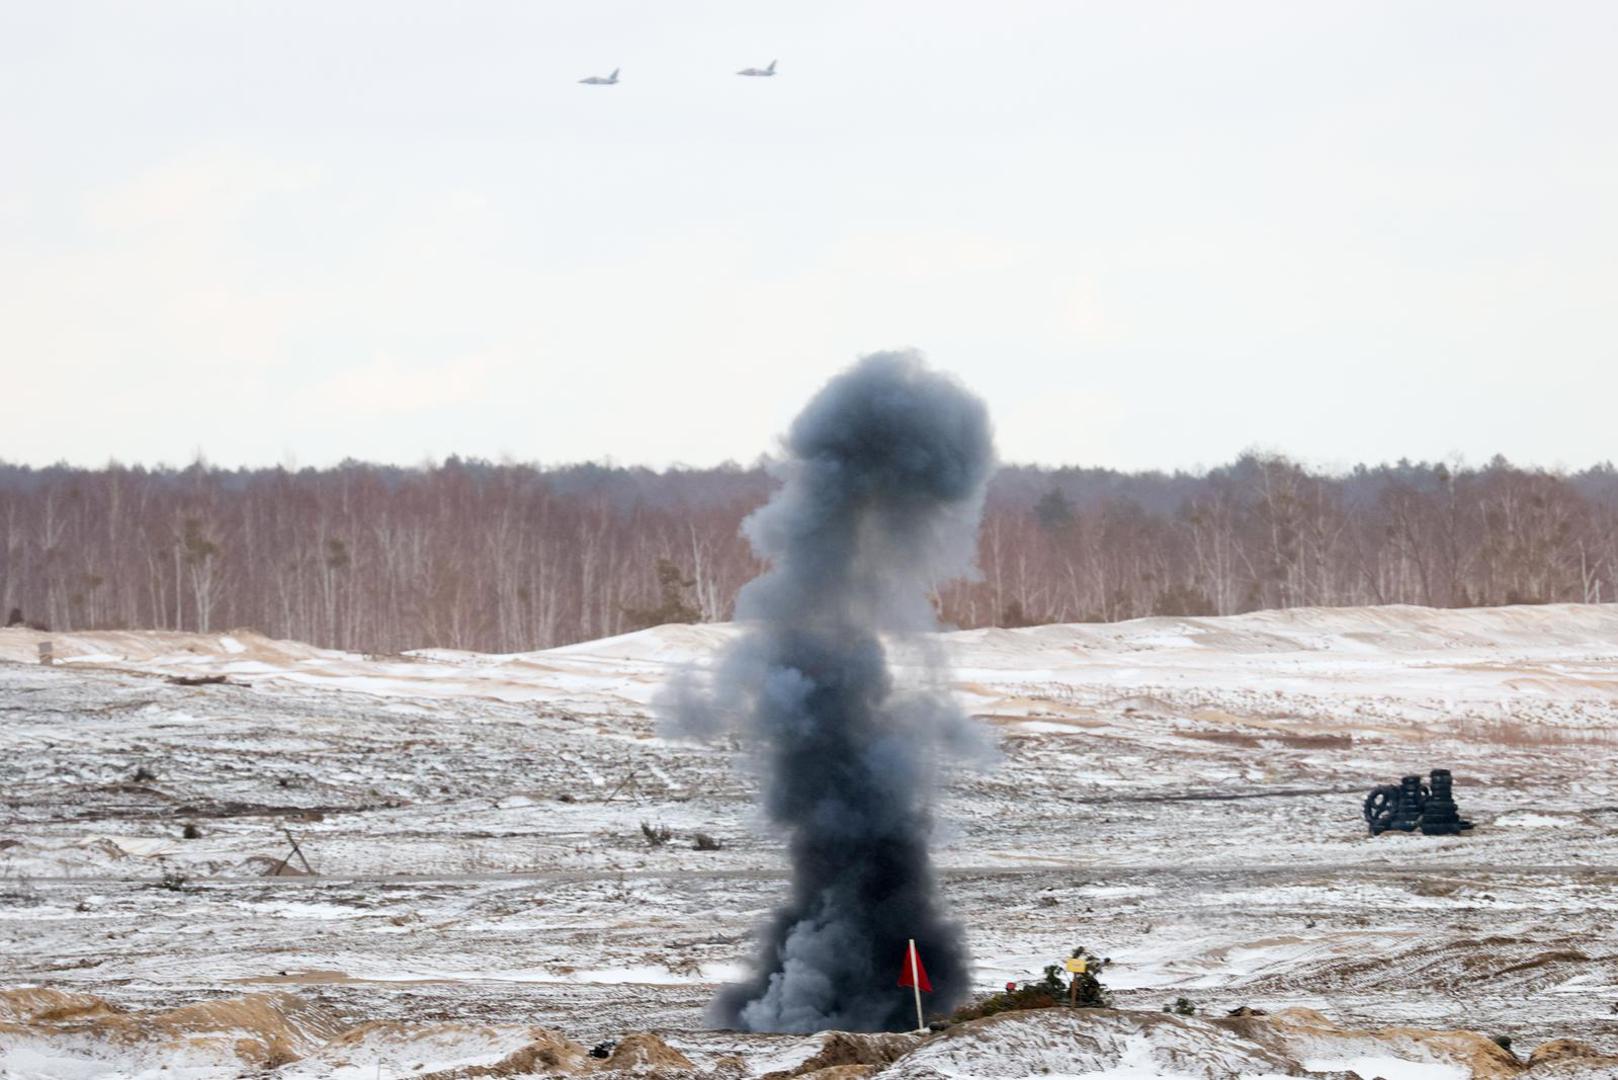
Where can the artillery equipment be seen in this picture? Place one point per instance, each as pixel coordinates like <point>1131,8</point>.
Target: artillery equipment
<point>1412,806</point>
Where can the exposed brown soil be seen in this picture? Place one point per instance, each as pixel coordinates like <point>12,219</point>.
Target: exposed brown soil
<point>1254,741</point>
<point>1291,1031</point>
<point>536,1059</point>
<point>645,1053</point>
<point>846,1049</point>
<point>262,1030</point>
<point>270,1030</point>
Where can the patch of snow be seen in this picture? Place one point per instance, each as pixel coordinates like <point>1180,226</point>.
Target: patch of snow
<point>1528,820</point>
<point>1390,1068</point>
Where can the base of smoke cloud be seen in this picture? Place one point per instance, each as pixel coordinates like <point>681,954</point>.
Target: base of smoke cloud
<point>820,970</point>
<point>881,495</point>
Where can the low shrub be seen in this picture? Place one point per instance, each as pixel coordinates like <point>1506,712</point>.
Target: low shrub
<point>1083,990</point>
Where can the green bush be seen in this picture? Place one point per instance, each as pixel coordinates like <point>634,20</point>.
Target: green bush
<point>1053,991</point>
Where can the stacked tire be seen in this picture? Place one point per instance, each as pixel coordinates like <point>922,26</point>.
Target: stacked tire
<point>1439,814</point>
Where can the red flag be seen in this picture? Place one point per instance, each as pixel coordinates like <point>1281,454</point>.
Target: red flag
<point>913,972</point>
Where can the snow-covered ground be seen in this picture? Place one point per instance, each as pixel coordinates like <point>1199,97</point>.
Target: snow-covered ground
<point>1180,795</point>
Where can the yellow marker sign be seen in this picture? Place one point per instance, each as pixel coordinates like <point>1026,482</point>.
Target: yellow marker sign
<point>1077,967</point>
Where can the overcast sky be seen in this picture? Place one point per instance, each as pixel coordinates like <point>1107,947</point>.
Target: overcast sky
<point>1149,234</point>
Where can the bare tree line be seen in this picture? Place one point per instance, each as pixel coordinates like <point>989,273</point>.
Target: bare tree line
<point>474,555</point>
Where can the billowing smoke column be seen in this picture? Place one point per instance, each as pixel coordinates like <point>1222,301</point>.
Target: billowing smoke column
<point>883,489</point>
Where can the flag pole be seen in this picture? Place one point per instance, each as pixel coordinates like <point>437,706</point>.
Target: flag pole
<point>915,982</point>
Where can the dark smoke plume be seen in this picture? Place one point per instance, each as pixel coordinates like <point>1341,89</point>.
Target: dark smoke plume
<point>883,487</point>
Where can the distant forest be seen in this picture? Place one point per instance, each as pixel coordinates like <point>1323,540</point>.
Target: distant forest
<point>474,555</point>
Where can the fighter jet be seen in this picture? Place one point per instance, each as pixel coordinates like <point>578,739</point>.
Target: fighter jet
<point>610,80</point>
<point>760,72</point>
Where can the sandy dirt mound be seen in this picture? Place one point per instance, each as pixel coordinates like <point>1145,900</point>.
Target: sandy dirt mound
<point>840,1072</point>
<point>51,1032</point>
<point>38,1005</point>
<point>648,1055</point>
<point>1570,1059</point>
<point>847,1054</point>
<point>256,1030</point>
<point>264,1029</point>
<point>448,1050</point>
<point>1305,1035</point>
